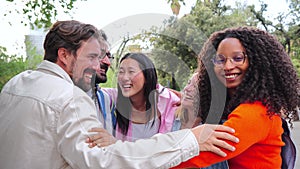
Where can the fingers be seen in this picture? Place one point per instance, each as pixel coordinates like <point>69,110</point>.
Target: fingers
<point>218,151</point>
<point>105,141</point>
<point>96,129</point>
<point>220,131</point>
<point>222,144</point>
<point>100,134</point>
<point>101,139</point>
<point>211,140</point>
<point>177,104</point>
<point>92,144</point>
<point>226,136</point>
<point>223,128</point>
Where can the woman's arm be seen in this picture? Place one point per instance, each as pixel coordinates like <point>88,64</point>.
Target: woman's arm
<point>251,124</point>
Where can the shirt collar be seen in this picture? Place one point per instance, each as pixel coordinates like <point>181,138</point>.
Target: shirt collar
<point>54,69</point>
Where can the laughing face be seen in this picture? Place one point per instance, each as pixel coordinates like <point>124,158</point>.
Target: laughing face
<point>231,74</point>
<point>87,64</point>
<point>101,74</point>
<point>131,78</point>
<point>104,65</point>
<point>189,92</point>
<point>86,82</point>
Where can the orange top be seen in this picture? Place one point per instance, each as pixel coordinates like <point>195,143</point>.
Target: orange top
<point>260,140</point>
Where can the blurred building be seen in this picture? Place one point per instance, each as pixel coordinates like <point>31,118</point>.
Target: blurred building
<point>34,47</point>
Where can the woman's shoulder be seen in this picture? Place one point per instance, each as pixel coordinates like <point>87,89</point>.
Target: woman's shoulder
<point>256,112</point>
<point>256,106</point>
<point>166,93</point>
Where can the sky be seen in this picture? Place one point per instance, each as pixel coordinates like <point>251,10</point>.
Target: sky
<point>106,14</point>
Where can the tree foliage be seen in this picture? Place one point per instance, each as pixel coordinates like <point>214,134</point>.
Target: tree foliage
<point>38,14</point>
<point>177,46</point>
<point>285,26</point>
<point>183,38</point>
<point>9,66</point>
<point>41,13</point>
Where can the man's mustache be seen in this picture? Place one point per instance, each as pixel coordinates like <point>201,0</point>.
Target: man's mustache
<point>88,70</point>
<point>104,66</point>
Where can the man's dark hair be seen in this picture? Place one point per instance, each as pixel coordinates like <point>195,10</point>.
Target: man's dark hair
<point>69,35</point>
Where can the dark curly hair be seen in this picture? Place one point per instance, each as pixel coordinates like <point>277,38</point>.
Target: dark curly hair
<point>270,78</point>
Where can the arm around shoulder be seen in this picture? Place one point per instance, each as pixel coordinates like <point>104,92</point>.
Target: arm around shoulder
<point>162,150</point>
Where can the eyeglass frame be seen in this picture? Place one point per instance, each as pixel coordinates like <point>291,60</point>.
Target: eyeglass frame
<point>231,60</point>
<point>110,56</point>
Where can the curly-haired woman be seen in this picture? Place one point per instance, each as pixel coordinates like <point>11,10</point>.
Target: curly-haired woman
<point>246,74</point>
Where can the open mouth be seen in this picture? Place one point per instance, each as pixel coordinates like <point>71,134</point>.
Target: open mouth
<point>88,74</point>
<point>188,97</point>
<point>231,76</point>
<point>126,86</point>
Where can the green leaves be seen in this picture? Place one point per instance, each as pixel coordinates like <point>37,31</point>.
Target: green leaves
<point>42,13</point>
<point>9,66</point>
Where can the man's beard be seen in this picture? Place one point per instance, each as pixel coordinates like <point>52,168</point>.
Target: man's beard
<point>101,78</point>
<point>83,84</point>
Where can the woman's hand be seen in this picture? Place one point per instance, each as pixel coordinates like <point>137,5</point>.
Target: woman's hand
<point>101,139</point>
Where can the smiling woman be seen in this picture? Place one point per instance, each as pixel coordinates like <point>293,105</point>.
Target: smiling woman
<point>131,79</point>
<point>252,67</point>
<point>143,107</point>
<point>138,113</point>
<point>186,116</point>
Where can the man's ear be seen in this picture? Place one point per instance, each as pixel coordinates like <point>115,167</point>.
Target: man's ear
<point>63,55</point>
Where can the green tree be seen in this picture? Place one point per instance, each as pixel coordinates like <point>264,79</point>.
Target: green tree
<point>37,14</point>
<point>41,13</point>
<point>9,66</point>
<point>177,46</point>
<point>285,26</point>
<point>183,38</point>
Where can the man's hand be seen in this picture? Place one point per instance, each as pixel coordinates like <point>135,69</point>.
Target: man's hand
<point>101,139</point>
<point>211,138</point>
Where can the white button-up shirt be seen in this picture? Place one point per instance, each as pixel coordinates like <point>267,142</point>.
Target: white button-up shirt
<point>44,120</point>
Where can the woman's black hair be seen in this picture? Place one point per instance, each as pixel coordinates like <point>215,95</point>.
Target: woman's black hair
<point>124,106</point>
<point>271,77</point>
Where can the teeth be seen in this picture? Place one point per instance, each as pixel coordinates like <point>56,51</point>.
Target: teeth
<point>230,76</point>
<point>88,76</point>
<point>188,97</point>
<point>126,86</point>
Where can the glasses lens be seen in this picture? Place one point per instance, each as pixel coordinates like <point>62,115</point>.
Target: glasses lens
<point>103,54</point>
<point>219,60</point>
<point>110,56</point>
<point>238,59</point>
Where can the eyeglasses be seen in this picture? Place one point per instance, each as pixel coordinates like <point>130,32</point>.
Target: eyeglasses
<point>103,54</point>
<point>238,59</point>
<point>101,57</point>
<point>110,56</point>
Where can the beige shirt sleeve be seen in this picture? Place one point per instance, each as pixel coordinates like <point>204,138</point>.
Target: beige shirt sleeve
<point>160,151</point>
